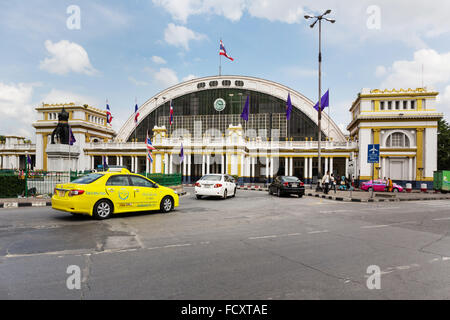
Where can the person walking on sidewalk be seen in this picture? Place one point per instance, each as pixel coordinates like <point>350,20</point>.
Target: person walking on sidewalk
<point>326,182</point>
<point>333,182</point>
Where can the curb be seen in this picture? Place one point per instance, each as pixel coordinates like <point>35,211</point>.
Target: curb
<point>11,204</point>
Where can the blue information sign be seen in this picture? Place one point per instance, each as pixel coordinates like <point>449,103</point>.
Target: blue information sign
<point>373,154</point>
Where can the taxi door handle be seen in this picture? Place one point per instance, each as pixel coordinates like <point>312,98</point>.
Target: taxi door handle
<point>111,190</point>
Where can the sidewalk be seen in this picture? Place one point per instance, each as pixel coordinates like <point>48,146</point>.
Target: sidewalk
<point>45,201</point>
<point>364,196</point>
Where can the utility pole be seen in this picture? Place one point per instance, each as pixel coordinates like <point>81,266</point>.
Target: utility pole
<point>319,18</point>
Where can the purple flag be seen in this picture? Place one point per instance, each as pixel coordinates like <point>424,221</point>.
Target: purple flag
<point>288,107</point>
<point>72,139</point>
<point>181,154</point>
<point>246,111</point>
<point>324,102</point>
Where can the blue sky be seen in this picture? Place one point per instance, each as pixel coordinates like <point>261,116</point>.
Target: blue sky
<point>128,49</point>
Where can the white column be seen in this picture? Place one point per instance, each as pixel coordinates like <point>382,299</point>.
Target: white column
<point>147,165</point>
<point>291,166</point>
<point>242,166</point>
<point>310,167</point>
<point>306,172</point>
<point>136,164</point>
<point>326,165</point>
<point>267,167</point>
<point>92,163</point>
<point>171,163</point>
<point>203,164</point>
<point>132,164</point>
<point>346,167</point>
<point>121,160</point>
<point>286,167</point>
<point>183,172</point>
<point>383,167</point>
<point>252,166</point>
<point>410,168</point>
<point>272,160</point>
<point>331,165</point>
<point>188,156</point>
<point>166,163</point>
<point>118,160</point>
<point>222,164</point>
<point>208,159</point>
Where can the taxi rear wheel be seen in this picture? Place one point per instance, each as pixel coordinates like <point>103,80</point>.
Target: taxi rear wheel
<point>103,210</point>
<point>166,204</point>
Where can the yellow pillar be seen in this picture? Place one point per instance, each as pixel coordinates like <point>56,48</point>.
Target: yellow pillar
<point>419,154</point>
<point>377,105</point>
<point>376,140</point>
<point>44,163</point>
<point>229,157</point>
<point>419,105</point>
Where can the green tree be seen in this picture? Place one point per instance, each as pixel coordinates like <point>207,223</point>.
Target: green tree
<point>443,145</point>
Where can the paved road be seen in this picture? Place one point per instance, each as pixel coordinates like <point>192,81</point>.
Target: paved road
<point>254,246</point>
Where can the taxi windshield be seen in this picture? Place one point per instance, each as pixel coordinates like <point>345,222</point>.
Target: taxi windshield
<point>212,178</point>
<point>88,178</point>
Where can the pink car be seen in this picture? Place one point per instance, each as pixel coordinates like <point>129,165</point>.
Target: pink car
<point>380,185</point>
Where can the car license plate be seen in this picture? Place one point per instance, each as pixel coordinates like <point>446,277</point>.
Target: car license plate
<point>61,193</point>
<point>294,185</point>
<point>206,186</point>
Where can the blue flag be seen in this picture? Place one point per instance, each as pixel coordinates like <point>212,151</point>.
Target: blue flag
<point>72,139</point>
<point>246,111</point>
<point>28,159</point>
<point>324,102</point>
<point>288,107</point>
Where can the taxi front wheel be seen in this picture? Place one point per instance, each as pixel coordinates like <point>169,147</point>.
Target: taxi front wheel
<point>103,210</point>
<point>166,204</point>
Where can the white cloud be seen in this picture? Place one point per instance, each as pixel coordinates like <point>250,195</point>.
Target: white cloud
<point>16,110</point>
<point>61,96</point>
<point>165,77</point>
<point>443,102</point>
<point>189,77</point>
<point>428,21</point>
<point>180,36</point>
<point>65,57</point>
<point>158,60</point>
<point>180,10</point>
<point>380,71</point>
<point>408,73</point>
<point>137,82</point>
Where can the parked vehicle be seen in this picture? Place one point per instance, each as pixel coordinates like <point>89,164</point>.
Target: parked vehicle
<point>215,185</point>
<point>287,185</point>
<point>103,194</point>
<point>380,185</point>
<point>441,181</point>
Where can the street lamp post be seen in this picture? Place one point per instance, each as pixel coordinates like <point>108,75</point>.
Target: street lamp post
<point>319,18</point>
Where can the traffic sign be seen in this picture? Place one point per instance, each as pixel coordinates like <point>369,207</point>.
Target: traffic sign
<point>373,154</point>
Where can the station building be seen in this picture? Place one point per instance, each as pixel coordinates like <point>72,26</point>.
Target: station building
<point>215,139</point>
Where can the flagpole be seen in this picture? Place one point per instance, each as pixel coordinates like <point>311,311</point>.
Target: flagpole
<point>220,61</point>
<point>135,122</point>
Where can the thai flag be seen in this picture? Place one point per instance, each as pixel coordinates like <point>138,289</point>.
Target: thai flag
<point>108,114</point>
<point>136,114</point>
<point>72,139</point>
<point>223,52</point>
<point>171,113</point>
<point>150,147</point>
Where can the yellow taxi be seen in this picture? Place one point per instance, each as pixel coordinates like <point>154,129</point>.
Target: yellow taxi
<point>102,194</point>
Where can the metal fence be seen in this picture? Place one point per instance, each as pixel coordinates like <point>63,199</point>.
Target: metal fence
<point>14,183</point>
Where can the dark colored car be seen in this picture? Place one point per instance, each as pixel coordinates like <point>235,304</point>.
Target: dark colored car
<point>287,185</point>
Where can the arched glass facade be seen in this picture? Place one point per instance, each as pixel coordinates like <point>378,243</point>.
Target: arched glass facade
<point>266,112</point>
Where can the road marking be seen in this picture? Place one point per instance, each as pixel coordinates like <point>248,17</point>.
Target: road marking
<point>441,219</point>
<point>320,231</point>
<point>387,225</point>
<point>263,237</point>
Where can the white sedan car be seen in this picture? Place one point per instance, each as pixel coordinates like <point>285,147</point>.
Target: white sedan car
<point>215,185</point>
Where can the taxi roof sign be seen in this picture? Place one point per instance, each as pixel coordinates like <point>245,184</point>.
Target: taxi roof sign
<point>118,169</point>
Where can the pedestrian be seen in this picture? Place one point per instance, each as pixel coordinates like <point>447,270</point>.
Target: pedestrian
<point>386,182</point>
<point>326,181</point>
<point>390,185</point>
<point>333,182</point>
